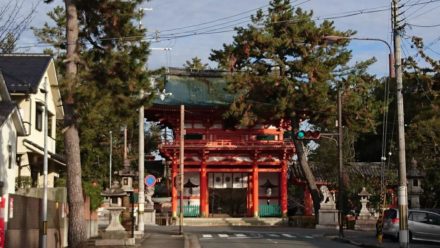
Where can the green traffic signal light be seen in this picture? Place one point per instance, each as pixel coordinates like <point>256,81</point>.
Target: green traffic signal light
<point>307,135</point>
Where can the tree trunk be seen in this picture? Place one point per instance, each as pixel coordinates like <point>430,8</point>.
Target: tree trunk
<point>299,145</point>
<point>76,231</point>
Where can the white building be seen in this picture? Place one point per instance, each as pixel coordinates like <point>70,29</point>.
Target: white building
<point>27,76</point>
<point>11,126</point>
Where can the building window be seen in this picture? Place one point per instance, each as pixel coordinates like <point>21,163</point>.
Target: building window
<point>49,124</point>
<point>10,156</point>
<point>265,137</point>
<point>39,117</point>
<point>193,136</point>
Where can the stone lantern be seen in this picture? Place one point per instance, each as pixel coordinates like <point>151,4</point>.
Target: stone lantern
<point>415,177</point>
<point>365,220</point>
<point>115,233</point>
<point>115,195</point>
<point>364,200</point>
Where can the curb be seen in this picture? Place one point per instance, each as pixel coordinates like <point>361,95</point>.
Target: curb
<point>191,241</point>
<point>352,242</point>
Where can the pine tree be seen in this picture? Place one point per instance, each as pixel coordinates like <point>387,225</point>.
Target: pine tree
<point>195,65</point>
<point>422,108</point>
<point>285,71</point>
<point>105,69</point>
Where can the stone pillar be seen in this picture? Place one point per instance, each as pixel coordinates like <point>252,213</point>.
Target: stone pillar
<point>255,189</point>
<point>203,191</point>
<point>283,187</point>
<point>173,188</point>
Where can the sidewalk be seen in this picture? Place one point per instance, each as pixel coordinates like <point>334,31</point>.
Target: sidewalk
<point>363,239</point>
<point>156,240</point>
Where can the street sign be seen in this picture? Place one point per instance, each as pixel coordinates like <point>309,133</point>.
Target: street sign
<point>150,180</point>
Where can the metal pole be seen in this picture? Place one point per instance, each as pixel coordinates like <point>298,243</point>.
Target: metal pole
<point>132,213</point>
<point>402,192</point>
<point>141,168</point>
<point>182,140</point>
<point>110,161</point>
<point>44,239</point>
<point>341,164</point>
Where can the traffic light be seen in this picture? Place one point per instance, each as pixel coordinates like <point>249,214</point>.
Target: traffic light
<point>307,135</point>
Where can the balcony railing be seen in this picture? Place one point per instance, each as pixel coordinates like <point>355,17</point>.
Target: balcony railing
<point>229,143</point>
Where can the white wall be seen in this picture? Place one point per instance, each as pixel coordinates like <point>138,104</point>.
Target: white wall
<point>7,175</point>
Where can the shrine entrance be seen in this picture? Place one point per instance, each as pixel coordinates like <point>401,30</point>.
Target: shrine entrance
<point>228,202</point>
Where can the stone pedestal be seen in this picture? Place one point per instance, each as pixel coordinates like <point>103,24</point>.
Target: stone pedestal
<point>149,216</point>
<point>366,223</point>
<point>328,214</point>
<point>328,218</point>
<point>115,224</point>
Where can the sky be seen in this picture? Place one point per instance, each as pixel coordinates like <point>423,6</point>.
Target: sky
<point>182,29</point>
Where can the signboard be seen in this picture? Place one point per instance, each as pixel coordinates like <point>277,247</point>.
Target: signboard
<point>150,180</point>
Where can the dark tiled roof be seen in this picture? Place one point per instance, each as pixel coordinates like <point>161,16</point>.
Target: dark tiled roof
<point>23,72</point>
<point>198,88</point>
<point>6,109</point>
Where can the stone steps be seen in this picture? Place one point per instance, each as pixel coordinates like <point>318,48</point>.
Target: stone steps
<point>234,221</point>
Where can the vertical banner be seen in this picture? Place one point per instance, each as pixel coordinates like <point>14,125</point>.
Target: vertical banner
<point>2,222</point>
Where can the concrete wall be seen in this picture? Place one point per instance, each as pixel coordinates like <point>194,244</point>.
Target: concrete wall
<point>24,227</point>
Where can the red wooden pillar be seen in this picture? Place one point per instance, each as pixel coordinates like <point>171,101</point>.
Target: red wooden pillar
<point>283,185</point>
<point>308,202</point>
<point>250,205</point>
<point>173,188</point>
<point>203,191</point>
<point>255,196</point>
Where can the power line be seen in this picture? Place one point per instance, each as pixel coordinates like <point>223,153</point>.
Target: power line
<point>216,20</point>
<point>235,21</point>
<point>226,29</point>
<point>423,26</point>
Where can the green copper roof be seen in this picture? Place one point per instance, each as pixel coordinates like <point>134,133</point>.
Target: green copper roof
<point>196,89</point>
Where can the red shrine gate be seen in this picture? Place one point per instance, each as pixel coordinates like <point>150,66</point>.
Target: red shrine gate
<point>241,172</point>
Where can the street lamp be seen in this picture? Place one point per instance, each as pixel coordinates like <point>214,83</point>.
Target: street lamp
<point>397,73</point>
<point>335,38</point>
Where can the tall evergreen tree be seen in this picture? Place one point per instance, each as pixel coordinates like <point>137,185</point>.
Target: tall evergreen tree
<point>422,113</point>
<point>285,71</point>
<point>105,69</point>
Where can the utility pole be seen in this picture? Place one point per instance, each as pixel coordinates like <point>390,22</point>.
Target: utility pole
<point>110,161</point>
<point>182,149</point>
<point>402,192</point>
<point>141,168</point>
<point>45,166</point>
<point>341,164</point>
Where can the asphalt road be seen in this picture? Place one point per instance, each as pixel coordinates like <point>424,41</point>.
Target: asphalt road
<point>267,237</point>
<point>277,237</point>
